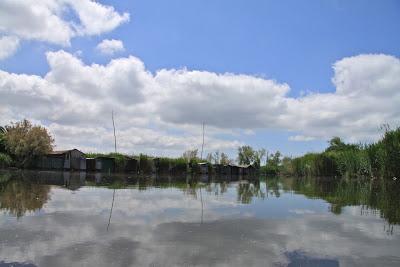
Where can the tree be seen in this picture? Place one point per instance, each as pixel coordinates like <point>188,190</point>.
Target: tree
<point>336,144</point>
<point>210,158</point>
<point>273,164</point>
<point>216,157</point>
<point>190,155</point>
<point>258,156</point>
<point>224,159</point>
<point>3,132</point>
<point>25,141</point>
<point>247,155</point>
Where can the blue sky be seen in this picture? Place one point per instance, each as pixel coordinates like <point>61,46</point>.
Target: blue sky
<point>289,42</point>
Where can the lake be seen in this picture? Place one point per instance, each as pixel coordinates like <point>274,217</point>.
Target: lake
<point>64,219</point>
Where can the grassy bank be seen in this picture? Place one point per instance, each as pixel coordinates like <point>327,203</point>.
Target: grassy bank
<point>380,159</point>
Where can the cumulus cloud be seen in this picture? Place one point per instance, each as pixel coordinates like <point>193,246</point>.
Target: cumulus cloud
<point>162,111</point>
<point>47,20</point>
<point>110,47</point>
<point>8,46</point>
<point>300,138</point>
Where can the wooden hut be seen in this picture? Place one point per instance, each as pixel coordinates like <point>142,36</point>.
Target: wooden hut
<point>131,165</point>
<point>247,170</point>
<point>105,164</point>
<point>217,168</point>
<point>202,167</point>
<point>234,169</point>
<point>63,160</point>
<point>90,164</point>
<point>226,170</point>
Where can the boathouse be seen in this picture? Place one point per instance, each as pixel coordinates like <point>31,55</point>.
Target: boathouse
<point>131,165</point>
<point>90,164</point>
<point>105,164</point>
<point>63,160</point>
<point>202,167</point>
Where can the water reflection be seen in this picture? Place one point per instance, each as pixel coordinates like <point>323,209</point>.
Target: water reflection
<point>21,195</point>
<point>22,192</point>
<point>376,196</point>
<point>94,220</point>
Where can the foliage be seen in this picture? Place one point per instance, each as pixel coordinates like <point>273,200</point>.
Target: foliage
<point>248,156</point>
<point>380,159</point>
<point>25,141</point>
<point>336,144</point>
<point>5,160</point>
<point>218,158</point>
<point>224,159</point>
<point>146,164</point>
<point>3,132</point>
<point>190,155</point>
<point>272,167</point>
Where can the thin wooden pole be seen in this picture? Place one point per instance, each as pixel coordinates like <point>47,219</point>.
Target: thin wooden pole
<point>202,145</point>
<point>115,137</point>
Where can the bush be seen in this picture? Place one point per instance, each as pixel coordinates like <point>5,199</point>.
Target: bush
<point>5,160</point>
<point>25,141</point>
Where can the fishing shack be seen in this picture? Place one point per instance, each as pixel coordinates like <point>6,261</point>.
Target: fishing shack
<point>131,165</point>
<point>90,164</point>
<point>234,169</point>
<point>72,159</point>
<point>105,164</point>
<point>202,167</point>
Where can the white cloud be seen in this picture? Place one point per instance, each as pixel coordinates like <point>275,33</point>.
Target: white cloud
<point>46,20</point>
<point>300,138</point>
<point>162,113</point>
<point>110,47</point>
<point>8,46</point>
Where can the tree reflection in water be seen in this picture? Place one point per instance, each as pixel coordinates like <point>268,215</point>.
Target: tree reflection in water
<point>18,196</point>
<point>22,192</point>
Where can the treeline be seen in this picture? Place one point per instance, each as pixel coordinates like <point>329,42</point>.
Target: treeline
<point>380,159</point>
<point>22,142</point>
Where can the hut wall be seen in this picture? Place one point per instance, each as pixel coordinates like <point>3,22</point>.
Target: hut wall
<point>105,164</point>
<point>47,162</point>
<point>131,165</point>
<point>82,164</point>
<point>90,165</point>
<point>75,157</point>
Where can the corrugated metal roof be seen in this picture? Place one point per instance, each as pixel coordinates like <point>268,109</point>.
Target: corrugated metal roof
<point>62,152</point>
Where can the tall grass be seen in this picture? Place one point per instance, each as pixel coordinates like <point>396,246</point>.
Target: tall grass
<point>380,159</point>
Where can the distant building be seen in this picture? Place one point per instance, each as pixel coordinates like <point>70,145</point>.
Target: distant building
<point>90,164</point>
<point>247,170</point>
<point>131,165</point>
<point>203,167</point>
<point>234,169</point>
<point>63,160</point>
<point>105,164</point>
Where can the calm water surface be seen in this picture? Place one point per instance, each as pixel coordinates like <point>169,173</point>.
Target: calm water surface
<point>63,219</point>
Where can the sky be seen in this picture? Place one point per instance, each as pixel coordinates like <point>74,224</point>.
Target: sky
<point>280,75</point>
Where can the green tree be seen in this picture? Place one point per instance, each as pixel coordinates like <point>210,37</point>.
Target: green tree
<point>224,159</point>
<point>247,155</point>
<point>336,144</point>
<point>25,141</point>
<point>3,132</point>
<point>190,155</point>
